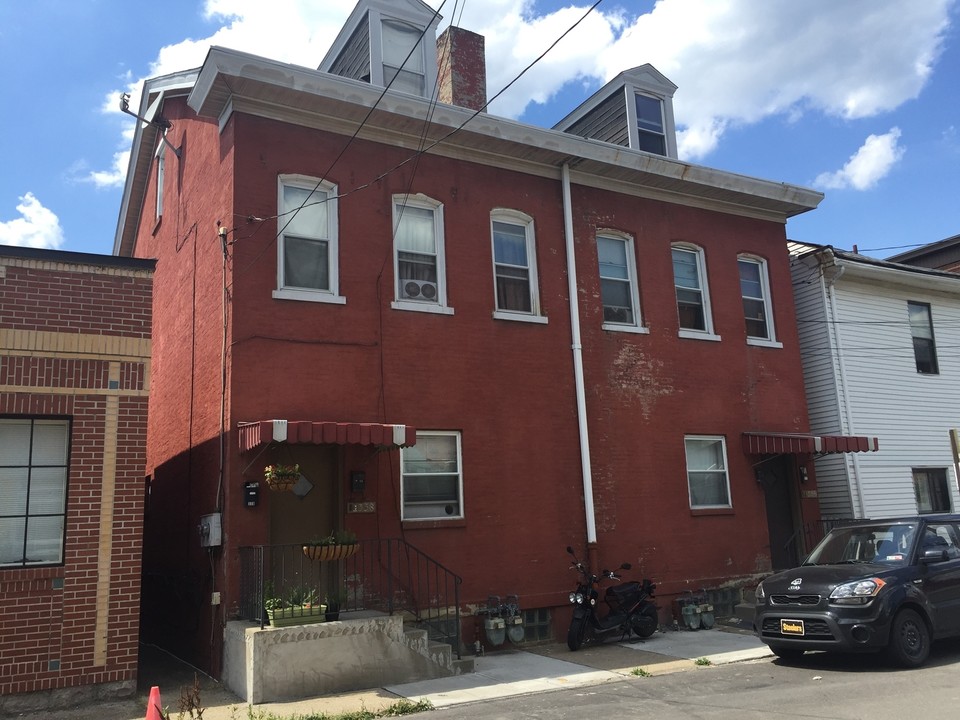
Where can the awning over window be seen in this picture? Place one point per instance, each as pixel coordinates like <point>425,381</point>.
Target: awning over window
<point>306,432</point>
<point>795,444</point>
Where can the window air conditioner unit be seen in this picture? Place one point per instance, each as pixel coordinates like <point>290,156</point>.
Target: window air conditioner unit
<point>418,290</point>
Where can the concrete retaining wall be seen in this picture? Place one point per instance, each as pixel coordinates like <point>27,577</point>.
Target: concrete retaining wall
<point>277,664</point>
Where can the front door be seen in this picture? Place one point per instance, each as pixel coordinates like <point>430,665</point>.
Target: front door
<point>776,476</point>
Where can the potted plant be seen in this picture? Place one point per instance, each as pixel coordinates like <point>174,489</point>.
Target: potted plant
<point>337,545</point>
<point>299,607</point>
<point>334,602</point>
<point>281,477</point>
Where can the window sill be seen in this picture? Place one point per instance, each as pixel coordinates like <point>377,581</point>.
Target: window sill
<point>698,335</point>
<point>422,307</point>
<point>759,342</point>
<point>519,317</point>
<point>635,329</point>
<point>701,512</point>
<point>434,524</point>
<point>309,296</point>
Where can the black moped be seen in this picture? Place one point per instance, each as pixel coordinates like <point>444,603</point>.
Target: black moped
<point>630,606</point>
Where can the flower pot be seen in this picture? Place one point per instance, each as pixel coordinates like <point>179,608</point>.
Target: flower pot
<point>280,484</point>
<point>330,552</point>
<point>297,615</point>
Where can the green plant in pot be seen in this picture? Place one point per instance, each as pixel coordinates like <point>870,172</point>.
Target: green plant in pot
<point>338,545</point>
<point>334,601</point>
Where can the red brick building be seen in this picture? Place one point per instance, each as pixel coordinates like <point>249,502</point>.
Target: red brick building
<point>74,381</point>
<point>488,339</point>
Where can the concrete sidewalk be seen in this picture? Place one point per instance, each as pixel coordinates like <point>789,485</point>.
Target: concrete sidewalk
<point>498,674</point>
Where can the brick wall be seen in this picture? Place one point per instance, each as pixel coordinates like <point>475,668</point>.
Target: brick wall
<point>75,343</point>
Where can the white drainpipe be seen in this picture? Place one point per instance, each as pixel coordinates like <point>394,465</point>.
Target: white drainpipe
<point>578,360</point>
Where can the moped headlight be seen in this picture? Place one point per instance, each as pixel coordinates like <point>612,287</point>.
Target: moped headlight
<point>576,598</point>
<point>573,597</point>
<point>858,592</point>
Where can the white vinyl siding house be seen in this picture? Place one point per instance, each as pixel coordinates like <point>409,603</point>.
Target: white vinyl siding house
<point>861,377</point>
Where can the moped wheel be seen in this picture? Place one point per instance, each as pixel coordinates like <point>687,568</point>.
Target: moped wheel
<point>645,624</point>
<point>576,633</point>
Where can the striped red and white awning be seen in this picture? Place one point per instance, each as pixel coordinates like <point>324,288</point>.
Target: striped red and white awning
<point>797,444</point>
<point>309,432</point>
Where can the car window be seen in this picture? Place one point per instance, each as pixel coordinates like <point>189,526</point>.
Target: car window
<point>942,536</point>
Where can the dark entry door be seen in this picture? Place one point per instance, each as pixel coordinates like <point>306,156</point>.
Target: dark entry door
<point>776,477</point>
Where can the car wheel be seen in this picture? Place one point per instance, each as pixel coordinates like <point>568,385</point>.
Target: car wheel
<point>786,653</point>
<point>909,643</point>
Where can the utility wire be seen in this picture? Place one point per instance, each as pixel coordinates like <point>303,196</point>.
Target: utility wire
<point>440,140</point>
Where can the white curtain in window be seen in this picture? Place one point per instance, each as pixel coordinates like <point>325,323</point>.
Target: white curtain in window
<point>311,219</point>
<point>398,39</point>
<point>415,231</point>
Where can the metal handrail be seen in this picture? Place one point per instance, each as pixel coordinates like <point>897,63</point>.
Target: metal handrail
<point>388,575</point>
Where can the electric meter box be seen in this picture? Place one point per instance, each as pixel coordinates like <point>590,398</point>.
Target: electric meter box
<point>210,532</point>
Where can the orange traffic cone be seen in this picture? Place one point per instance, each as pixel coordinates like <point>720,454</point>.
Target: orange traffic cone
<point>153,705</point>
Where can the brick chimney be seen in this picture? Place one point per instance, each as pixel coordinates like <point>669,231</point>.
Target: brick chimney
<point>463,70</point>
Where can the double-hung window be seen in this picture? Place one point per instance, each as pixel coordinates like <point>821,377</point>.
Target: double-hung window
<point>693,295</point>
<point>419,255</point>
<point>307,240</point>
<point>707,480</point>
<point>33,490</point>
<point>514,266</point>
<point>924,347</point>
<point>755,292</point>
<point>650,135</point>
<point>431,477</point>
<point>403,58</point>
<point>618,283</point>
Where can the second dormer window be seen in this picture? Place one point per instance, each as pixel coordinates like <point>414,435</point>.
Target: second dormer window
<point>650,135</point>
<point>407,73</point>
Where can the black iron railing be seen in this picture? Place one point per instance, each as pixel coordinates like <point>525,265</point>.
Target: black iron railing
<point>388,575</point>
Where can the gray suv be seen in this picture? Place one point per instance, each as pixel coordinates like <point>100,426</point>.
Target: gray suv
<point>871,585</point>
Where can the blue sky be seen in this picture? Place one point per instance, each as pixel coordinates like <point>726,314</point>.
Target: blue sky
<point>857,98</point>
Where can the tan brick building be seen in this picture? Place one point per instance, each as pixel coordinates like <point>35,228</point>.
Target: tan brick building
<point>74,379</point>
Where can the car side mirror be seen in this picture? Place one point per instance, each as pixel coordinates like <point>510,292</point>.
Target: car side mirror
<point>932,555</point>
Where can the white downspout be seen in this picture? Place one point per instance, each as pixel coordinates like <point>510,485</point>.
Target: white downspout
<point>578,360</point>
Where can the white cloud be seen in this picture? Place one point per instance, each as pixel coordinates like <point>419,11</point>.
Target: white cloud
<point>867,166</point>
<point>736,62</point>
<point>36,227</point>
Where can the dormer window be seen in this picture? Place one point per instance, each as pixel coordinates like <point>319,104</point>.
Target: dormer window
<point>650,135</point>
<point>400,40</point>
<point>634,110</point>
<point>388,42</point>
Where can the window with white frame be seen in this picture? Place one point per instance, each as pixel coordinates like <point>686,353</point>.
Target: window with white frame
<point>431,477</point>
<point>931,490</point>
<point>161,164</point>
<point>307,240</point>
<point>419,255</point>
<point>33,490</point>
<point>755,292</point>
<point>924,347</point>
<point>618,281</point>
<point>514,263</point>
<point>693,297</point>
<point>403,58</point>
<point>707,479</point>
<point>650,134</point>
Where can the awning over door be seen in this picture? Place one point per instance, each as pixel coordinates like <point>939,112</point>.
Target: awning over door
<point>307,432</point>
<point>796,444</point>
